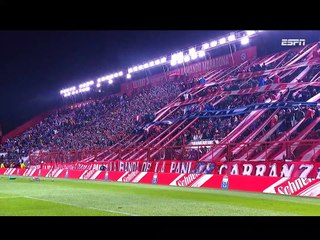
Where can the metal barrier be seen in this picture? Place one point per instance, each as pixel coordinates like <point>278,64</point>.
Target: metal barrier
<point>304,150</point>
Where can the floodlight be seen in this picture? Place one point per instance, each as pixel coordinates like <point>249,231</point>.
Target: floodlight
<point>173,62</point>
<point>186,58</point>
<point>205,46</point>
<point>201,53</point>
<point>194,56</point>
<point>244,40</point>
<point>222,41</point>
<point>192,50</point>
<point>213,43</point>
<point>250,32</point>
<point>231,38</point>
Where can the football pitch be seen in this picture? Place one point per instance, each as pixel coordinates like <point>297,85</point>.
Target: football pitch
<point>64,197</point>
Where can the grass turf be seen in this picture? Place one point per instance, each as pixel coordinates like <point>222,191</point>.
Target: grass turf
<point>64,197</point>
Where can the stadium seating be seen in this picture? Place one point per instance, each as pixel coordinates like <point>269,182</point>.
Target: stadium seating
<point>165,121</point>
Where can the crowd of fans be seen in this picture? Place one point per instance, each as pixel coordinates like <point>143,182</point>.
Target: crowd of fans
<point>218,128</point>
<point>95,125</point>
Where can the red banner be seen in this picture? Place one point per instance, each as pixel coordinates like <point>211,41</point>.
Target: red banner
<point>267,169</point>
<point>192,69</point>
<point>130,166</point>
<point>272,169</point>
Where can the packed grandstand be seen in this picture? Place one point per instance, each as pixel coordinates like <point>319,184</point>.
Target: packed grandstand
<point>234,108</point>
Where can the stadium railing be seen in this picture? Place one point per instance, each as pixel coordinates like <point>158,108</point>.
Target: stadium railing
<point>307,150</point>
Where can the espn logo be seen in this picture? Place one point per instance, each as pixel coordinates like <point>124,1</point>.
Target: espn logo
<point>293,42</point>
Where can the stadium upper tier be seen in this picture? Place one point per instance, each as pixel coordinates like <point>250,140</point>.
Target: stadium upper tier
<point>249,109</point>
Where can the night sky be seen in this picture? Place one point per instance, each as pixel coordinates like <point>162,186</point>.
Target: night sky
<point>35,65</point>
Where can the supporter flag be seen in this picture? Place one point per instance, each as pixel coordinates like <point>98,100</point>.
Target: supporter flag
<point>202,81</point>
<point>168,121</point>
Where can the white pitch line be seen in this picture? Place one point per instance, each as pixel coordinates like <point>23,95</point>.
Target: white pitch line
<point>105,210</point>
<point>74,205</point>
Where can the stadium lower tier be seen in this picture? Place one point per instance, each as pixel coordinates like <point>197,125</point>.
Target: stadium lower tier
<point>308,187</point>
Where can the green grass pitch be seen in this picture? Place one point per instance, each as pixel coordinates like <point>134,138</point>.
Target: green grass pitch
<point>63,197</point>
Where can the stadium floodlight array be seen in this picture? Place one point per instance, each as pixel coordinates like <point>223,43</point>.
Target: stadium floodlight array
<point>180,57</point>
<point>147,65</point>
<point>193,54</point>
<point>83,87</point>
<point>108,78</point>
<point>86,84</point>
<point>67,91</point>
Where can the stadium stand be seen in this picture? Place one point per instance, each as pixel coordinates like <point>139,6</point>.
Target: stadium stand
<point>212,117</point>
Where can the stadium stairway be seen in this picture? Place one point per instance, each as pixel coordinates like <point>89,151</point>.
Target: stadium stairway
<point>311,154</point>
<point>275,146</point>
<point>250,137</point>
<point>247,154</point>
<point>283,152</point>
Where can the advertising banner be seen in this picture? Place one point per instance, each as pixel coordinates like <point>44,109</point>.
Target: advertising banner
<point>252,168</point>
